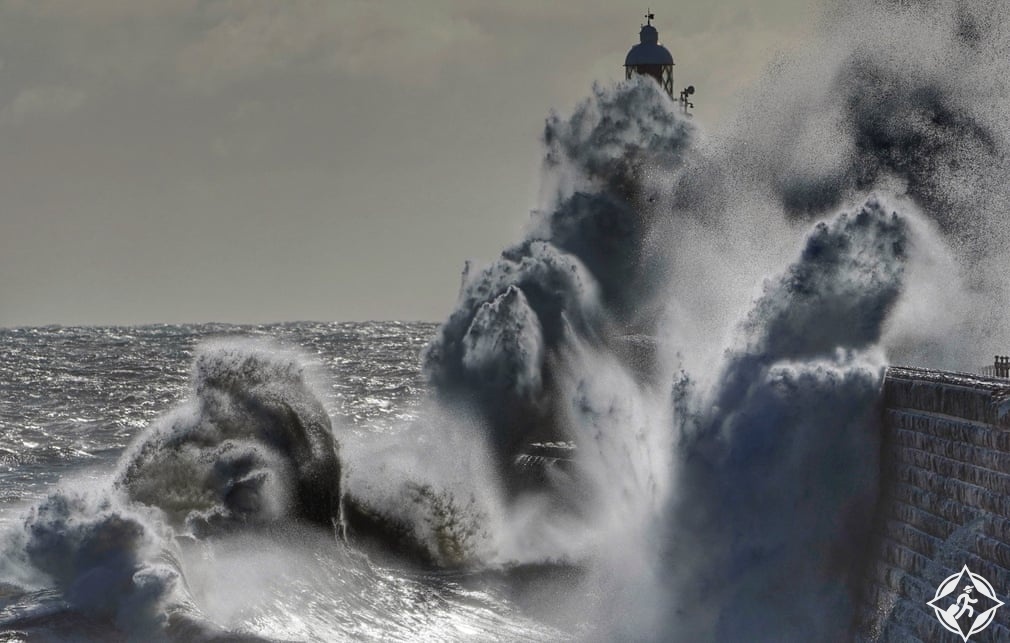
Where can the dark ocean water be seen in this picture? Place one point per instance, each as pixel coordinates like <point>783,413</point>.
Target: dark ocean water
<point>73,398</point>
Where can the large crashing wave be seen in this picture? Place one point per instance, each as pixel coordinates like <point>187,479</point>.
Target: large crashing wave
<point>779,466</point>
<point>530,355</point>
<point>110,561</point>
<point>253,448</point>
<point>255,445</point>
<point>585,272</point>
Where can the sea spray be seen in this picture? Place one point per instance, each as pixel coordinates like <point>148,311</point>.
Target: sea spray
<point>427,494</point>
<point>584,274</point>
<point>540,350</point>
<point>905,99</point>
<point>109,560</point>
<point>776,477</point>
<point>898,108</point>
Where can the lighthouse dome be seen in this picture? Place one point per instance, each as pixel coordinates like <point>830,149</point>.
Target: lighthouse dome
<point>648,51</point>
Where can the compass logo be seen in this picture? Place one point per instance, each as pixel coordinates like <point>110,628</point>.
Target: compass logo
<point>965,603</point>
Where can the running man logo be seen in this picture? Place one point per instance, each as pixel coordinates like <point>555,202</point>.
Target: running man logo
<point>965,603</point>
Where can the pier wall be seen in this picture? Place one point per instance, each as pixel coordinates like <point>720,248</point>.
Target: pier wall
<point>945,501</point>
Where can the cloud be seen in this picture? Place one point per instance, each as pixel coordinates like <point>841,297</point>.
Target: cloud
<point>209,45</point>
<point>42,101</point>
<point>407,43</point>
<point>97,10</point>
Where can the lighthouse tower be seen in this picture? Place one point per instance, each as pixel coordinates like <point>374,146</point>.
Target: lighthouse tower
<point>650,58</point>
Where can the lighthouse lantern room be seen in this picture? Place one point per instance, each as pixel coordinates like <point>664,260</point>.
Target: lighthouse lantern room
<point>650,58</point>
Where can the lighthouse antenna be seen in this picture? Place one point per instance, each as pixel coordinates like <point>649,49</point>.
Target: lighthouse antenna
<point>649,17</point>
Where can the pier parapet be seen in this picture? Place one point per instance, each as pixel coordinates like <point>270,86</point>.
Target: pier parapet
<point>944,502</point>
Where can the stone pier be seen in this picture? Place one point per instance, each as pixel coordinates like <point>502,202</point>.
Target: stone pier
<point>945,501</point>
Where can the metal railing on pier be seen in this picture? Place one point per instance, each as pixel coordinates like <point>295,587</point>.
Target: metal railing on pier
<point>1000,367</point>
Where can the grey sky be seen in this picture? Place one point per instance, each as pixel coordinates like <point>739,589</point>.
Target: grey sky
<point>259,160</point>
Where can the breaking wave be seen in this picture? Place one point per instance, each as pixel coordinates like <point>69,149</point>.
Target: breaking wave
<point>253,448</point>
<point>778,476</point>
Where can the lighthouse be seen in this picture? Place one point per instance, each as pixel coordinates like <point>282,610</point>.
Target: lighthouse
<point>650,58</point>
